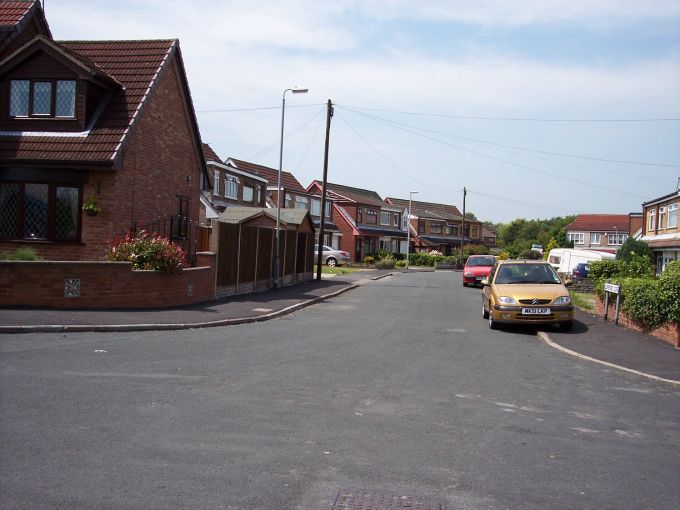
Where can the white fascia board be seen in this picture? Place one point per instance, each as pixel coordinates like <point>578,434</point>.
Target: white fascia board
<point>228,168</point>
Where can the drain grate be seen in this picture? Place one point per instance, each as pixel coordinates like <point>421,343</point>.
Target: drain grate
<point>349,499</point>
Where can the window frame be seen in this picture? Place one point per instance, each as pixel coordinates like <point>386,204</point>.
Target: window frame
<point>576,237</point>
<point>231,185</point>
<point>51,219</point>
<point>216,183</point>
<point>651,220</point>
<point>383,215</point>
<point>595,238</point>
<point>673,210</point>
<point>30,106</point>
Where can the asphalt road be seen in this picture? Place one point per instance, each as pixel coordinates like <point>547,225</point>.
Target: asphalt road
<point>396,387</point>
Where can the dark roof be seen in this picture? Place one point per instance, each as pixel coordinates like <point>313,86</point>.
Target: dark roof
<point>137,65</point>
<point>428,209</point>
<point>209,154</point>
<point>14,16</point>
<point>661,199</point>
<point>288,181</point>
<point>358,195</point>
<point>599,222</point>
<point>382,231</point>
<point>451,241</point>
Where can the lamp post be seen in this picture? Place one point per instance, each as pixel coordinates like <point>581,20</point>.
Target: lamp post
<point>408,226</point>
<point>294,90</point>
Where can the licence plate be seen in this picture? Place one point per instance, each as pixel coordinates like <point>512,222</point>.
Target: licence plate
<point>480,278</point>
<point>535,311</point>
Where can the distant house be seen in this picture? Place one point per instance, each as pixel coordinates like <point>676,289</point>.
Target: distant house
<point>104,122</point>
<point>231,187</point>
<point>366,222</point>
<point>438,226</point>
<point>660,229</point>
<point>489,236</point>
<point>602,232</point>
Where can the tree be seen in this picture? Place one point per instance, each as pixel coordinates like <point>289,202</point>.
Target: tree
<point>634,247</point>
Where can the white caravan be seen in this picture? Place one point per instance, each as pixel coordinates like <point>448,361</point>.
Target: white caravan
<point>564,260</point>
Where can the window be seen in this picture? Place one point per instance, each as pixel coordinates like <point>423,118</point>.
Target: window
<point>289,201</point>
<point>404,222</point>
<point>595,238</point>
<point>328,209</point>
<point>259,194</point>
<point>421,227</point>
<point>231,187</point>
<point>39,211</point>
<point>397,219</point>
<point>576,237</point>
<point>662,217</point>
<point>673,215</point>
<point>384,217</point>
<point>216,183</point>
<point>315,210</point>
<point>371,217</point>
<point>651,219</point>
<point>435,228</point>
<point>360,215</point>
<point>42,98</point>
<point>301,202</point>
<point>247,193</point>
<point>617,239</point>
<point>475,230</point>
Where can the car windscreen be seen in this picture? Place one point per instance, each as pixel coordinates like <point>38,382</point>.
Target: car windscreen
<point>526,273</point>
<point>480,261</point>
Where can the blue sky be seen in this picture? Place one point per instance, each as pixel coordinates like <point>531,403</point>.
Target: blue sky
<point>432,95</point>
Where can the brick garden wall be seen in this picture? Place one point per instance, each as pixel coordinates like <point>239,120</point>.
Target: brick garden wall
<point>104,285</point>
<point>669,333</point>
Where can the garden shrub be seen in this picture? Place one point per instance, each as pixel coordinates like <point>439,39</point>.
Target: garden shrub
<point>385,263</point>
<point>24,253</point>
<point>381,254</point>
<point>147,252</point>
<point>368,260</point>
<point>400,263</point>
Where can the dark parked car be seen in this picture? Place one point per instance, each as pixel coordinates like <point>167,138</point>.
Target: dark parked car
<point>580,271</point>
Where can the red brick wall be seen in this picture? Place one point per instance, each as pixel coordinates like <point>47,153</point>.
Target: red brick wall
<point>159,162</point>
<point>669,333</point>
<point>103,285</point>
<point>347,239</point>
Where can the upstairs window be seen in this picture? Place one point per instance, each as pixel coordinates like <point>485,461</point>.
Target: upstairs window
<point>575,237</point>
<point>371,217</point>
<point>42,98</point>
<point>435,228</point>
<point>231,187</point>
<point>216,183</point>
<point>247,193</point>
<point>301,202</point>
<point>651,220</point>
<point>384,217</point>
<point>673,215</point>
<point>662,217</point>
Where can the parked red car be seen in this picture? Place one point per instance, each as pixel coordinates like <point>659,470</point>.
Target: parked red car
<point>477,268</point>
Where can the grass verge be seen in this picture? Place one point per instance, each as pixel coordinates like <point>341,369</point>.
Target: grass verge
<point>585,302</point>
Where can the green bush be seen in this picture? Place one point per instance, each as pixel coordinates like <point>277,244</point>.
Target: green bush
<point>385,263</point>
<point>147,252</point>
<point>475,249</point>
<point>381,254</point>
<point>651,301</point>
<point>530,255</point>
<point>634,247</point>
<point>24,253</point>
<point>368,260</point>
<point>400,263</point>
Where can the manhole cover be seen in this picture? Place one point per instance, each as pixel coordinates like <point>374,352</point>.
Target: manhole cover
<point>366,500</point>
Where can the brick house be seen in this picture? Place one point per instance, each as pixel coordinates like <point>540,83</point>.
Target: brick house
<point>602,232</point>
<point>660,229</point>
<point>489,236</point>
<point>231,186</point>
<point>79,122</point>
<point>438,226</point>
<point>366,222</point>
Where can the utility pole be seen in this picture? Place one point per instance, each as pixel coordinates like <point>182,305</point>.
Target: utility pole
<point>319,258</point>
<point>462,234</point>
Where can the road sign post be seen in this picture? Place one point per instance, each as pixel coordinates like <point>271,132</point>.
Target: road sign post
<point>613,289</point>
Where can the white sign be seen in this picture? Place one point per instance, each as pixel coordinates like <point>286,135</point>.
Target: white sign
<point>610,287</point>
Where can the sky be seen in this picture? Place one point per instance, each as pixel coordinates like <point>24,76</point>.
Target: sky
<point>538,109</point>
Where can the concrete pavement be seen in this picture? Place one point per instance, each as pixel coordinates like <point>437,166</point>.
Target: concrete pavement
<point>592,338</point>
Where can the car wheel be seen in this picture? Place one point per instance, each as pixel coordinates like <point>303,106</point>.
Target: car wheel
<point>492,323</point>
<point>465,284</point>
<point>331,262</point>
<point>485,314</point>
<point>567,326</point>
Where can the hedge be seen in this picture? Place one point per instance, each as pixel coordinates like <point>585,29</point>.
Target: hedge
<point>651,301</point>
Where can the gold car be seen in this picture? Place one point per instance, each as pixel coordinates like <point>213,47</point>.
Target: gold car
<point>526,292</point>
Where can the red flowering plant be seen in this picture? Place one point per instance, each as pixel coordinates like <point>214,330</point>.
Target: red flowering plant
<point>147,252</point>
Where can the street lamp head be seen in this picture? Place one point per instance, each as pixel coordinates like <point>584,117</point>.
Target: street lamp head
<point>299,90</point>
<point>414,192</point>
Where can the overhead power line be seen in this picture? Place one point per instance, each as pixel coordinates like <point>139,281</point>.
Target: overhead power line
<point>512,119</point>
<point>230,110</point>
<point>512,163</point>
<point>515,147</point>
